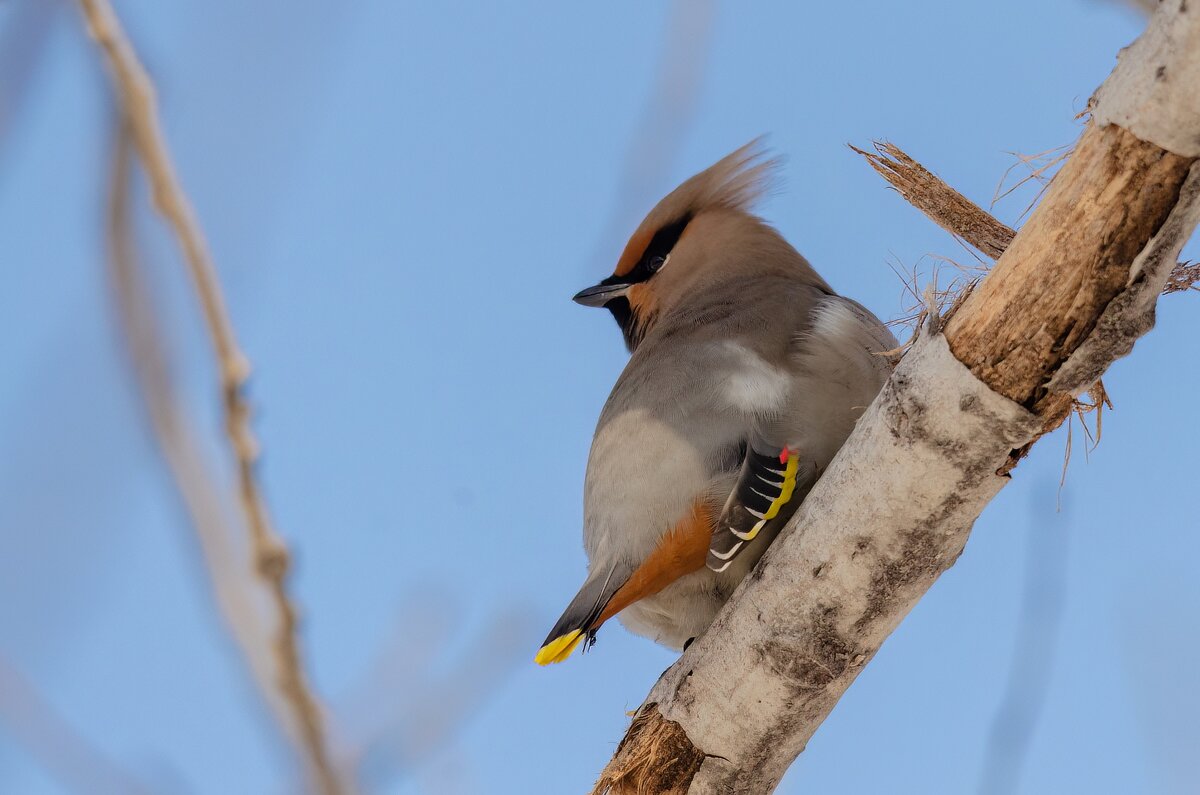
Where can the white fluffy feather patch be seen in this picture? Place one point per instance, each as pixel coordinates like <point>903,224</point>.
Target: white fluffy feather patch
<point>754,384</point>
<point>835,320</point>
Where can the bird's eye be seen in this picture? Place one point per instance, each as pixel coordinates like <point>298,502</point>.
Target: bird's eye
<point>655,264</point>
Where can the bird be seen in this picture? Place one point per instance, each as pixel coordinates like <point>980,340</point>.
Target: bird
<point>746,374</point>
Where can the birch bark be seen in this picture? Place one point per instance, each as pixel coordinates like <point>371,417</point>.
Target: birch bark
<point>1072,292</point>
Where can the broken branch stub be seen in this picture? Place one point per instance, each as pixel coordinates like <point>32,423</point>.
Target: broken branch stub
<point>962,218</point>
<point>945,206</point>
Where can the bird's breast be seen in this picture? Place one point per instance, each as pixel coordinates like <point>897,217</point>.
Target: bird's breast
<point>645,473</point>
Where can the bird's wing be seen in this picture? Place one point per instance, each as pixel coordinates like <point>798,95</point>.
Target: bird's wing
<point>837,368</point>
<point>773,481</point>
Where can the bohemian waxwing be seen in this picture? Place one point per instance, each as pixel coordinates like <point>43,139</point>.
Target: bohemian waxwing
<point>747,374</point>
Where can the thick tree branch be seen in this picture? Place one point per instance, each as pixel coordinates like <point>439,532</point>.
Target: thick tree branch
<point>1110,197</point>
<point>1070,293</point>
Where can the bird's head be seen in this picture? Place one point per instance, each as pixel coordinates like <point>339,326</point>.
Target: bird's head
<point>700,235</point>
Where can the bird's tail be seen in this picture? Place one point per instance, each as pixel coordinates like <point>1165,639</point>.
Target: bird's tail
<point>579,620</point>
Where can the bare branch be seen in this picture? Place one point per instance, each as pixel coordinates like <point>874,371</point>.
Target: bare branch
<point>1072,292</point>
<point>136,94</point>
<point>226,561</point>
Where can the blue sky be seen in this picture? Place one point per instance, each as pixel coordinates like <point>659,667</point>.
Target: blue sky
<point>401,198</point>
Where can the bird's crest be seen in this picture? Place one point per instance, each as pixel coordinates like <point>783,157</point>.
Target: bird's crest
<point>735,182</point>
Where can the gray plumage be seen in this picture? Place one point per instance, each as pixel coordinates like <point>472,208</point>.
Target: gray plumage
<point>737,345</point>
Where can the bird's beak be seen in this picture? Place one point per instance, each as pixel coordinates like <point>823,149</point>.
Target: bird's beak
<point>601,294</point>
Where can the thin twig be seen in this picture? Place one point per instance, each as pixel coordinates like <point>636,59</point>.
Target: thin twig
<point>136,93</point>
<point>217,531</point>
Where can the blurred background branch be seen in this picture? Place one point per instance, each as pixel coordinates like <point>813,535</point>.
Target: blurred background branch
<point>23,41</point>
<point>1043,596</point>
<point>136,94</point>
<point>662,127</point>
<point>409,704</point>
<point>216,526</point>
<point>62,751</point>
<point>405,708</point>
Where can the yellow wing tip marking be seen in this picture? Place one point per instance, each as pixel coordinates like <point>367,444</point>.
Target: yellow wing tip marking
<point>559,649</point>
<point>789,486</point>
<point>785,494</point>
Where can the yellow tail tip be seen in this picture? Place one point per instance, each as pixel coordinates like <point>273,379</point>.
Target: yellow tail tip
<point>559,649</point>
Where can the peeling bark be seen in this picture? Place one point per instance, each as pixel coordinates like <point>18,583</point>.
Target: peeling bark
<point>1130,313</point>
<point>1046,293</point>
<point>1070,294</point>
